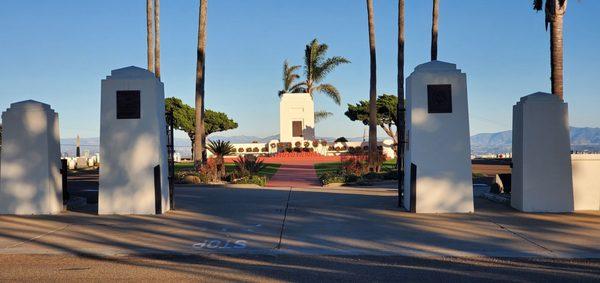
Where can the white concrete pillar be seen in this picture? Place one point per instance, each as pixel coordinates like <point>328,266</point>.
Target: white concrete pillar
<point>541,175</point>
<point>133,142</point>
<point>30,179</point>
<point>438,167</point>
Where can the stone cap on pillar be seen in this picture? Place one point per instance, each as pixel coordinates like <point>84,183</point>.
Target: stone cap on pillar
<point>540,97</point>
<point>437,66</point>
<point>131,72</point>
<point>30,105</point>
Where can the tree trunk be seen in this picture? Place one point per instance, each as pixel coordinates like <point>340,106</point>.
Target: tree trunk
<point>401,127</point>
<point>373,151</point>
<point>556,55</point>
<point>150,34</point>
<point>434,30</point>
<point>200,141</point>
<point>157,37</point>
<point>192,139</point>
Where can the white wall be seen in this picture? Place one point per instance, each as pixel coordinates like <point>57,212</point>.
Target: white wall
<point>30,179</point>
<point>438,143</point>
<point>296,107</point>
<point>131,148</point>
<point>586,183</point>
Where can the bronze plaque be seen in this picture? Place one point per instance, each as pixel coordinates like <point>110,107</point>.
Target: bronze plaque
<point>128,104</point>
<point>439,98</point>
<point>296,128</point>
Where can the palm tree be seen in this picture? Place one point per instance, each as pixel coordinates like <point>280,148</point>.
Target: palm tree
<point>401,107</point>
<point>289,78</point>
<point>434,30</point>
<point>157,37</point>
<point>316,68</point>
<point>150,34</point>
<point>200,141</point>
<point>555,11</point>
<point>220,149</point>
<point>373,156</point>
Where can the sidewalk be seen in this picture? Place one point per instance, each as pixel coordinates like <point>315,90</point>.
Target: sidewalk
<point>295,173</point>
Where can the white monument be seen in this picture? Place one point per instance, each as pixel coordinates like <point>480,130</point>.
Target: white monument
<point>438,175</point>
<point>133,144</point>
<point>30,179</point>
<point>541,175</point>
<point>296,117</point>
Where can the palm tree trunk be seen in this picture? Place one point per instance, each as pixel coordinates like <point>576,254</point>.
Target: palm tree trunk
<point>434,30</point>
<point>373,156</point>
<point>556,55</point>
<point>150,34</point>
<point>200,140</point>
<point>157,37</point>
<point>401,127</point>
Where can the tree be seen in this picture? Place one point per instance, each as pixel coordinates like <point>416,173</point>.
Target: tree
<point>200,142</point>
<point>373,154</point>
<point>387,117</point>
<point>555,11</point>
<point>434,30</point>
<point>401,110</point>
<point>341,140</point>
<point>157,38</point>
<point>150,34</point>
<point>316,68</point>
<point>220,149</point>
<point>184,119</point>
<point>0,134</point>
<point>289,78</point>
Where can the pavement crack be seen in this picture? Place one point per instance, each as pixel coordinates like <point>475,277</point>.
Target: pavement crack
<point>518,235</point>
<point>36,237</point>
<point>287,205</point>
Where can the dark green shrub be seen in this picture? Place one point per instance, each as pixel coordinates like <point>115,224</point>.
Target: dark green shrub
<point>351,178</point>
<point>332,177</point>
<point>248,166</point>
<point>254,179</point>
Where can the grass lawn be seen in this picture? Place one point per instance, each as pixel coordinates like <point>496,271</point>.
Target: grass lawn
<point>269,170</point>
<point>333,166</point>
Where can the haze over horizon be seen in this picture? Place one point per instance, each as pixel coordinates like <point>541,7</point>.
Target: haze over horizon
<point>249,40</point>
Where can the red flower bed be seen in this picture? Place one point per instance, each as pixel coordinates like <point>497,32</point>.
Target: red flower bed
<point>298,154</point>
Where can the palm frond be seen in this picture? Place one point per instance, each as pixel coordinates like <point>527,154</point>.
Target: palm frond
<point>331,91</point>
<point>289,77</point>
<point>538,5</point>
<point>324,69</point>
<point>322,115</point>
<point>220,148</point>
<point>298,88</point>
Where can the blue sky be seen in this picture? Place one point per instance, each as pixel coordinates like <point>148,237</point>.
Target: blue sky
<point>57,51</point>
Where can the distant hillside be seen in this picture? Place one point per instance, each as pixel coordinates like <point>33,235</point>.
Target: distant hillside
<point>582,139</point>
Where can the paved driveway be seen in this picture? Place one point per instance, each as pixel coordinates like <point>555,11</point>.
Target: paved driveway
<point>343,221</point>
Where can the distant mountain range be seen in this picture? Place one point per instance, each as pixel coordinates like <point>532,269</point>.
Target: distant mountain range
<point>582,139</point>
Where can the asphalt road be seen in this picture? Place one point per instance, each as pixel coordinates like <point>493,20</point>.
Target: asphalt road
<point>301,268</point>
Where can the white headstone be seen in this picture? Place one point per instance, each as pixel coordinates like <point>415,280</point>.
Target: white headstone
<point>30,179</point>
<point>541,174</point>
<point>438,141</point>
<point>133,142</point>
<point>296,117</point>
